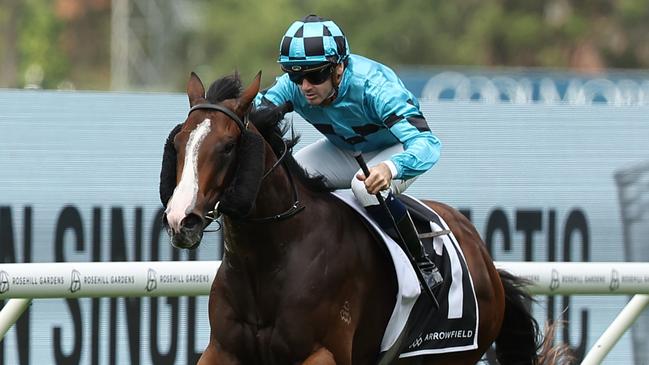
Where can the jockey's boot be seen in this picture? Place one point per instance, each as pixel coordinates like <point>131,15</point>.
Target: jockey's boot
<point>428,269</point>
<point>406,227</point>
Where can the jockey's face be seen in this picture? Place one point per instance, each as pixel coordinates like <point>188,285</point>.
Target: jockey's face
<point>317,93</point>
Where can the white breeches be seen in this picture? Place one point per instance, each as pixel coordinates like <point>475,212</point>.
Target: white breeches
<point>339,167</point>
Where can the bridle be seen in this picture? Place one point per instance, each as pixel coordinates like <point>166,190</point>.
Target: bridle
<point>214,214</point>
<point>208,106</point>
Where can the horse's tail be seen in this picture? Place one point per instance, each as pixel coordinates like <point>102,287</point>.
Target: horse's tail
<point>520,341</point>
<point>517,341</point>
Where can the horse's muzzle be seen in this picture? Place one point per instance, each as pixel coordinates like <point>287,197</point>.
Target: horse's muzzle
<point>190,233</point>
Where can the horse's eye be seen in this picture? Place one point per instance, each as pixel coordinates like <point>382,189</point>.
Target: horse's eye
<point>228,147</point>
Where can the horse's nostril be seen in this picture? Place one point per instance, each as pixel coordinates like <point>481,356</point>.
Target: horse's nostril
<point>191,221</point>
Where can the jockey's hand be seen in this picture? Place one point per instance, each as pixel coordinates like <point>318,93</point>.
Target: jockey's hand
<point>379,179</point>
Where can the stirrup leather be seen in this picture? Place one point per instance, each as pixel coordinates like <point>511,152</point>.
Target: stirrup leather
<point>427,267</point>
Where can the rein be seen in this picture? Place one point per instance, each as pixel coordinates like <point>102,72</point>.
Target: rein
<point>214,214</point>
<point>295,208</point>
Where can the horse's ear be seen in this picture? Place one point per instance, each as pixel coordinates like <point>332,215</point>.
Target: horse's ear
<point>195,90</point>
<point>248,95</point>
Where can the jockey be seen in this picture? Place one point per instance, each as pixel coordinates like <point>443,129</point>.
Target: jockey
<point>359,105</point>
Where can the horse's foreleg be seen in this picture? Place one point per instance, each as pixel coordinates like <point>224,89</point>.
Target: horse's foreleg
<point>213,357</point>
<point>208,357</point>
<point>321,357</point>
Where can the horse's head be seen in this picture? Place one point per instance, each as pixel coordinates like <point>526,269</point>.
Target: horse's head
<point>201,154</point>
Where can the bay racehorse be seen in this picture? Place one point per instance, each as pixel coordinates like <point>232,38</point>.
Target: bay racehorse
<point>302,279</point>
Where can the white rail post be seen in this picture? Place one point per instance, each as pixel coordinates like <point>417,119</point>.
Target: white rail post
<point>614,332</point>
<point>10,314</point>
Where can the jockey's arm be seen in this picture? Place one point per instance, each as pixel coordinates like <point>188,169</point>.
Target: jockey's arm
<point>401,115</point>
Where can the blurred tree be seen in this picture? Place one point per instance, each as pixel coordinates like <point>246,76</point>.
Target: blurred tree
<point>215,38</point>
<point>84,38</point>
<point>242,35</point>
<point>581,35</point>
<point>31,46</point>
<point>8,50</point>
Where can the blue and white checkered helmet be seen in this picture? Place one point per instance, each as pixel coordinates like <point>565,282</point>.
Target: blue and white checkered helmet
<point>312,41</point>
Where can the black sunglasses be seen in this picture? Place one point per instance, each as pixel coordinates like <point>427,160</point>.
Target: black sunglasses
<point>315,76</point>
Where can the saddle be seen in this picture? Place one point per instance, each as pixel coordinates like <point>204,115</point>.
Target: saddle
<point>415,328</point>
<point>421,216</point>
<point>454,327</point>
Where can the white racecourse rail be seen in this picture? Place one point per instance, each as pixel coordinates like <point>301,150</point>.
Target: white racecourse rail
<point>22,282</point>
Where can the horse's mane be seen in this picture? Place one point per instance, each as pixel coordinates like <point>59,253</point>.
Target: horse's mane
<point>227,87</point>
<point>269,121</point>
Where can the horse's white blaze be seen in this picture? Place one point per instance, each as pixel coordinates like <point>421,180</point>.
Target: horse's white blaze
<point>184,197</point>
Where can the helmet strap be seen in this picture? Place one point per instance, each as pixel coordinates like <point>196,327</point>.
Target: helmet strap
<point>335,82</point>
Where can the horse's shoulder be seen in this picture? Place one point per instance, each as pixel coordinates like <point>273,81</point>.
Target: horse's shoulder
<point>334,204</point>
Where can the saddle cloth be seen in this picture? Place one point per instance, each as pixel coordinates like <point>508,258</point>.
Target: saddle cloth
<point>415,328</point>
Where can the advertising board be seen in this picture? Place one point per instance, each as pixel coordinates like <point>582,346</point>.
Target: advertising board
<point>79,182</point>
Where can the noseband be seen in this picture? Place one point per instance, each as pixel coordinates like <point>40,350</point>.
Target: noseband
<point>214,214</point>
